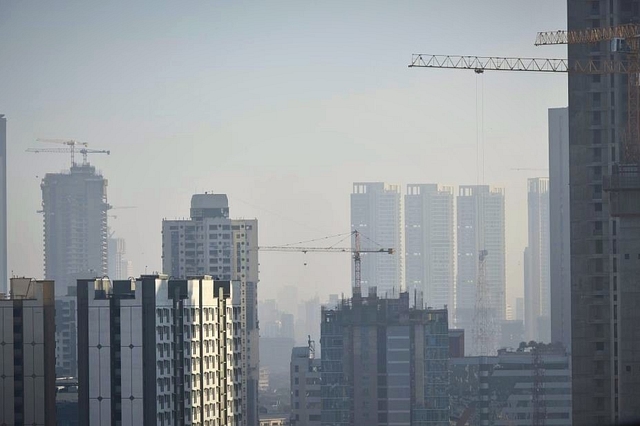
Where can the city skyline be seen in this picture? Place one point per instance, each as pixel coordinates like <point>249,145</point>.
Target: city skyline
<point>310,165</point>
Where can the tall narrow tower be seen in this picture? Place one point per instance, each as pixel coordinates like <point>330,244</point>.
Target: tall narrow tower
<point>537,292</point>
<point>75,226</point>
<point>375,214</point>
<point>559,225</point>
<point>4,273</point>
<point>481,237</point>
<point>429,244</point>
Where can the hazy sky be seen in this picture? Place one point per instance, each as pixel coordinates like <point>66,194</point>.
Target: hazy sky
<point>279,104</point>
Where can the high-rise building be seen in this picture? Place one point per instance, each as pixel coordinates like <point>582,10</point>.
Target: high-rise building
<point>118,266</point>
<point>159,351</point>
<point>605,233</point>
<point>559,227</point>
<point>75,207</point>
<point>429,244</point>
<point>384,363</point>
<point>523,386</point>
<point>537,259</point>
<point>520,308</point>
<point>4,271</point>
<point>308,320</point>
<point>66,334</point>
<point>27,348</point>
<point>480,226</point>
<point>212,243</point>
<point>306,403</point>
<point>375,213</point>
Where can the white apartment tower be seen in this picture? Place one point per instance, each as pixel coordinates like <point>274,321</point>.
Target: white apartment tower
<point>213,244</point>
<point>537,263</point>
<point>376,214</point>
<point>480,226</point>
<point>4,272</point>
<point>118,266</point>
<point>159,351</point>
<point>429,244</point>
<point>559,227</point>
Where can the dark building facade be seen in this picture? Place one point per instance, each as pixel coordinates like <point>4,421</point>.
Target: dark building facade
<point>27,354</point>
<point>604,297</point>
<point>384,363</point>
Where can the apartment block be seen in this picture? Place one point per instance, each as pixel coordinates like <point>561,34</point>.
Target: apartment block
<point>159,351</point>
<point>480,226</point>
<point>66,334</point>
<point>603,151</point>
<point>376,215</point>
<point>209,242</point>
<point>517,387</point>
<point>537,263</point>
<point>430,245</point>
<point>27,354</point>
<point>384,363</point>
<point>306,403</point>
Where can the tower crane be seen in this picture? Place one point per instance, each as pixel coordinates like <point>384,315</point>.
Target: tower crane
<point>71,144</point>
<point>356,253</point>
<point>625,40</point>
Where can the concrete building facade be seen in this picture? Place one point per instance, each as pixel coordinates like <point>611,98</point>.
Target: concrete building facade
<point>74,206</point>
<point>603,301</point>
<point>66,335</point>
<point>537,263</point>
<point>517,387</point>
<point>480,226</point>
<point>159,351</point>
<point>429,244</point>
<point>4,271</point>
<point>306,402</point>
<point>559,227</point>
<point>27,354</point>
<point>212,243</point>
<point>384,363</point>
<point>376,214</point>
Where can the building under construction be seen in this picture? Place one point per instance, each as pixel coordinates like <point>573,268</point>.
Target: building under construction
<point>384,363</point>
<point>75,206</point>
